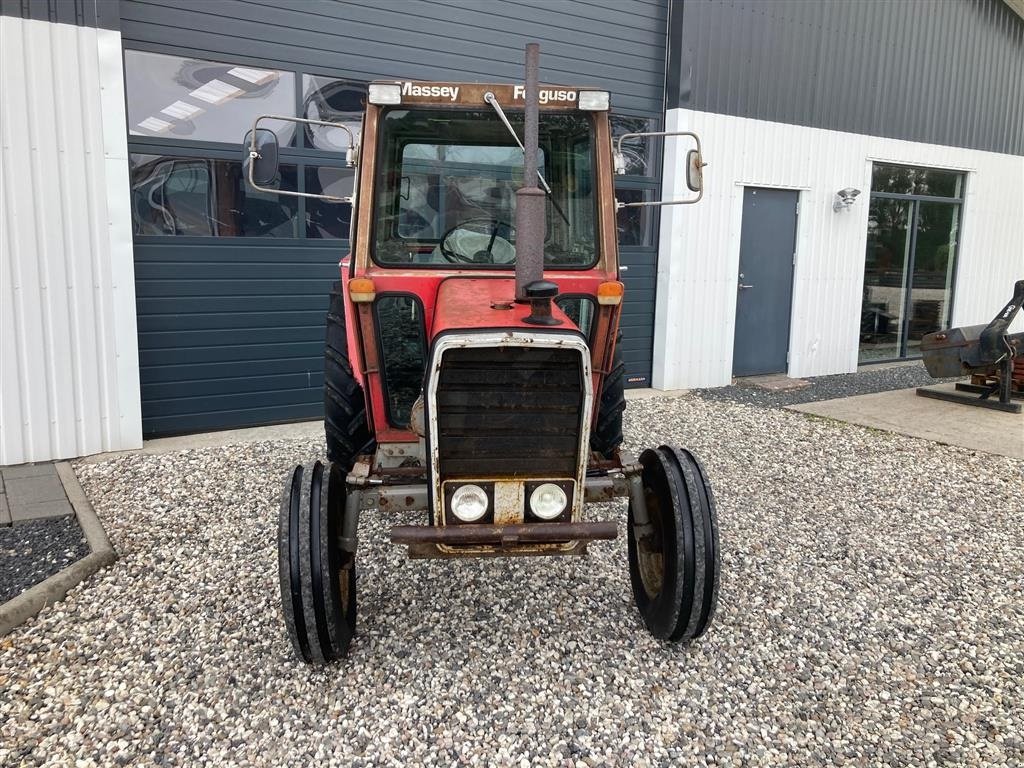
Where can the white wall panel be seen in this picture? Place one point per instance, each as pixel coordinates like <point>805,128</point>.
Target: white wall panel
<point>68,351</point>
<point>699,247</point>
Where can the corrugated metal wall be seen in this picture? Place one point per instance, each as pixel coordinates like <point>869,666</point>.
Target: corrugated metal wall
<point>935,71</point>
<point>69,382</point>
<point>604,43</point>
<point>698,267</point>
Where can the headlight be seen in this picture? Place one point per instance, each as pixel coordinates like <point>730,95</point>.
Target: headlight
<point>469,503</point>
<point>547,501</point>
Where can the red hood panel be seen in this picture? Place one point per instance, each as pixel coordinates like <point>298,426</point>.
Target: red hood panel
<point>474,302</point>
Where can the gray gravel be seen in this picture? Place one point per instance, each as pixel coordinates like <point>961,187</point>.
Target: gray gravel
<point>33,551</point>
<point>872,613</point>
<point>827,387</point>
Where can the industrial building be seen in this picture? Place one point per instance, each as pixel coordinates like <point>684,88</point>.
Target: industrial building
<point>865,186</point>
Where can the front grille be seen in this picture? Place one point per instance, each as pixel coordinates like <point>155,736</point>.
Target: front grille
<point>509,412</point>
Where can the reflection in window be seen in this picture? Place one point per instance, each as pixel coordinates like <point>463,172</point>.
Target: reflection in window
<point>885,267</point>
<point>403,348</point>
<point>325,218</point>
<point>196,100</point>
<point>196,197</point>
<point>636,151</point>
<point>908,180</point>
<point>634,224</point>
<point>336,101</point>
<point>444,184</point>
<point>580,310</point>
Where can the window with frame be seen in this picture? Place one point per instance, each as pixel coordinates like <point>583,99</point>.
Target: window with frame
<point>186,121</point>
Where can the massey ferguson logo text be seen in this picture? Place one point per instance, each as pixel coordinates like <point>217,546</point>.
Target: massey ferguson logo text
<point>546,95</point>
<point>450,92</point>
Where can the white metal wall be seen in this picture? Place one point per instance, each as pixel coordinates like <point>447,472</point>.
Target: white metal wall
<point>699,248</point>
<point>69,381</point>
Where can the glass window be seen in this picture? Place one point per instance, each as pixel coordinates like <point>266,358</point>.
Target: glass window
<point>638,152</point>
<point>334,100</point>
<point>931,282</point>
<point>910,260</point>
<point>634,224</point>
<point>199,197</point>
<point>908,180</point>
<point>324,218</point>
<point>446,183</point>
<point>401,330</point>
<point>196,100</point>
<point>885,267</point>
<point>580,310</point>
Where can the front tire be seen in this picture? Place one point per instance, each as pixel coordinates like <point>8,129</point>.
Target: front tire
<point>318,578</point>
<point>674,560</point>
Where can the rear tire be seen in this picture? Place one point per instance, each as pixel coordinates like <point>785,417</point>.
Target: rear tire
<point>674,565</point>
<point>318,578</point>
<point>344,404</point>
<point>606,437</point>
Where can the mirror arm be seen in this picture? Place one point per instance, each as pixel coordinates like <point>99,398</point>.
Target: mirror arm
<point>253,154</point>
<point>619,206</point>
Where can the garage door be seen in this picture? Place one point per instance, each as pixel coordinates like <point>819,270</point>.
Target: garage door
<point>232,285</point>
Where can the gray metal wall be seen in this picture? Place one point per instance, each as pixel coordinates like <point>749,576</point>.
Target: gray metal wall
<point>231,329</point>
<point>945,72</point>
<point>82,13</point>
<point>606,43</point>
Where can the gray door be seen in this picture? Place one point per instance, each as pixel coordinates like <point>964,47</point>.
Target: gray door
<point>765,284</point>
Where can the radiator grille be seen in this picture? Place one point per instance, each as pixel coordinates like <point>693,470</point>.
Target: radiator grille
<point>509,412</point>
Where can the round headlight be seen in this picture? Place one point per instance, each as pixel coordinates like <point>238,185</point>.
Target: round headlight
<point>547,501</point>
<point>469,503</point>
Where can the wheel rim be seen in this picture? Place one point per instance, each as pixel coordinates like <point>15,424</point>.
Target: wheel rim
<point>650,553</point>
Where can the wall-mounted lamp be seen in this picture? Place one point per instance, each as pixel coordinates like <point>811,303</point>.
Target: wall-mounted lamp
<point>844,198</point>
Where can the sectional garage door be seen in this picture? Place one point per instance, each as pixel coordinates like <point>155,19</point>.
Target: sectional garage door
<point>232,285</point>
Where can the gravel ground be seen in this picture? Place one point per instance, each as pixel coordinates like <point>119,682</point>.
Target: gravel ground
<point>33,551</point>
<point>871,613</point>
<point>828,387</point>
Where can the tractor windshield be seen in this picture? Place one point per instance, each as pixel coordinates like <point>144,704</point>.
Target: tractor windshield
<point>446,188</point>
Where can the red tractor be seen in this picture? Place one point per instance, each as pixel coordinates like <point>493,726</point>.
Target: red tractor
<point>471,363</point>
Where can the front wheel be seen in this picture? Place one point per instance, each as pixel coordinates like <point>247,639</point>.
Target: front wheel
<point>673,556</point>
<point>318,577</point>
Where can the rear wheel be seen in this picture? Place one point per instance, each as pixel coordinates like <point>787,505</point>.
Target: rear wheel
<point>344,405</point>
<point>606,436</point>
<point>318,578</point>
<point>674,559</point>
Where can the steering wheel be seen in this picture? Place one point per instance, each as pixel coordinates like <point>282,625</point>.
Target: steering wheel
<point>480,225</point>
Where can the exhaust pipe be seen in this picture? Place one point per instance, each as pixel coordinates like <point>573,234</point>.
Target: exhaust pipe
<point>530,198</point>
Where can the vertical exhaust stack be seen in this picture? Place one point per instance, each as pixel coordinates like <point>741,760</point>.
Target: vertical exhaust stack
<point>530,198</point>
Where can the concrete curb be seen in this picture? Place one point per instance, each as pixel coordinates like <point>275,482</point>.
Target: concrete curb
<point>30,602</point>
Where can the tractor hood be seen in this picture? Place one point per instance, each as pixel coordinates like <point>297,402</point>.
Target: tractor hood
<point>481,303</point>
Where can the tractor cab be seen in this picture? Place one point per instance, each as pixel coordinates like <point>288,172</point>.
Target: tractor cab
<point>471,365</point>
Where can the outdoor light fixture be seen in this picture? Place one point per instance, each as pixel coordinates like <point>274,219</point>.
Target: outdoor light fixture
<point>844,198</point>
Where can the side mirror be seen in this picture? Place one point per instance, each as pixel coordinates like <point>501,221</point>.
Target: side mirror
<point>695,171</point>
<point>694,168</point>
<point>261,157</point>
